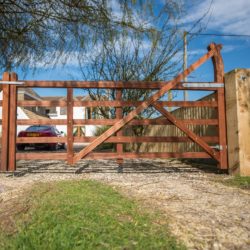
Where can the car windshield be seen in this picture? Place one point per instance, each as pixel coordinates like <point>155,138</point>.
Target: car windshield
<point>38,128</point>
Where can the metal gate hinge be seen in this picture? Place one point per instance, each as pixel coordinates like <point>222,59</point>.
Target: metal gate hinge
<point>11,82</point>
<point>203,85</point>
<point>218,147</point>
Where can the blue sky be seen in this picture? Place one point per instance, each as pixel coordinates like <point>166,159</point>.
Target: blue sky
<point>224,17</point>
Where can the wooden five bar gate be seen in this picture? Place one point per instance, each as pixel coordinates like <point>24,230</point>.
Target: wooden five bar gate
<point>114,133</point>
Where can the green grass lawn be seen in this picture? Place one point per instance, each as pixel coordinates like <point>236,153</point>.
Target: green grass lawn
<point>85,215</point>
<point>239,181</point>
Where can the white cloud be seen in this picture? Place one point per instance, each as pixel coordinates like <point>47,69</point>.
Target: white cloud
<point>225,49</point>
<point>226,16</point>
<point>115,7</point>
<point>70,59</point>
<point>194,53</point>
<point>137,17</point>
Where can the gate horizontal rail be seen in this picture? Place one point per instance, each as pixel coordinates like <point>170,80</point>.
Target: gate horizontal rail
<point>154,85</point>
<point>113,121</point>
<point>99,156</point>
<point>116,139</point>
<point>115,103</point>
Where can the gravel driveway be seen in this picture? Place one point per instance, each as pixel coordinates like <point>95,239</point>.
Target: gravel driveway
<point>202,212</point>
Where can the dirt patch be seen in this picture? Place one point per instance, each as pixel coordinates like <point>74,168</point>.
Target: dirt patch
<point>9,210</point>
<point>202,212</point>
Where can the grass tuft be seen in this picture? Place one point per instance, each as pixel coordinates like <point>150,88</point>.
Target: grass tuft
<point>85,215</point>
<point>239,181</point>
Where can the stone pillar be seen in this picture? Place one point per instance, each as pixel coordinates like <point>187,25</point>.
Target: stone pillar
<point>237,84</point>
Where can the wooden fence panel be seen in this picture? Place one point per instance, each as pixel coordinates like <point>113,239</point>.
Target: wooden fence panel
<point>187,113</point>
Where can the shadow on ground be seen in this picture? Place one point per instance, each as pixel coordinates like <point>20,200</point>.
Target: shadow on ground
<point>137,166</point>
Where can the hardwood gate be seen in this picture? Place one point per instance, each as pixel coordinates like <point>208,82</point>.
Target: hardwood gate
<point>114,133</point>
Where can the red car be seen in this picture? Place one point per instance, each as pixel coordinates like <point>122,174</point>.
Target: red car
<point>41,131</point>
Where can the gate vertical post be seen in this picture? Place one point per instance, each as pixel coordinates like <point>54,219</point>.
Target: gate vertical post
<point>70,152</point>
<point>119,115</point>
<point>219,77</point>
<point>12,124</point>
<point>222,128</point>
<point>5,122</point>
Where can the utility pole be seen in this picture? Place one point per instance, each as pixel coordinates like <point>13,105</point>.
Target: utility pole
<point>185,93</point>
<point>170,99</point>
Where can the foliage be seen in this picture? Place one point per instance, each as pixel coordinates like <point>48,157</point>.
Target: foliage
<point>34,31</point>
<point>132,55</point>
<point>86,215</point>
<point>100,130</point>
<point>42,32</point>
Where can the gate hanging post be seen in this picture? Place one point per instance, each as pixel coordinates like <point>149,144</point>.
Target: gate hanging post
<point>70,135</point>
<point>5,123</point>
<point>12,124</point>
<point>220,95</point>
<point>119,115</point>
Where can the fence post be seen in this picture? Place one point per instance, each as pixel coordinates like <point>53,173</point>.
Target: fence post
<point>238,120</point>
<point>12,124</point>
<point>70,152</point>
<point>5,122</point>
<point>219,77</point>
<point>119,115</point>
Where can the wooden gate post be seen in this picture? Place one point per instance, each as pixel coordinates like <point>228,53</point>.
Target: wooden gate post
<point>12,124</point>
<point>5,123</point>
<point>119,115</point>
<point>219,77</point>
<point>70,135</point>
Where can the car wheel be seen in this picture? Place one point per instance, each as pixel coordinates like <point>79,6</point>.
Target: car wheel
<point>20,147</point>
<point>53,147</point>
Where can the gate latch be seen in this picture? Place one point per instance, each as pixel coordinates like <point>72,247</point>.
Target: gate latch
<point>217,147</point>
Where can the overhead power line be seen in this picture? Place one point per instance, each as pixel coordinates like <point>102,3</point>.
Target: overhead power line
<point>211,34</point>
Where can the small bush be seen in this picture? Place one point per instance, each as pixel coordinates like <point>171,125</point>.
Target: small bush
<point>104,146</point>
<point>239,181</point>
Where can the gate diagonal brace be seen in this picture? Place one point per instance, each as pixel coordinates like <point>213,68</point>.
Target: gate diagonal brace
<point>121,123</point>
<point>195,138</point>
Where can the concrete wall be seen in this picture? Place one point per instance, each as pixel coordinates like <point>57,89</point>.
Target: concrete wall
<point>238,120</point>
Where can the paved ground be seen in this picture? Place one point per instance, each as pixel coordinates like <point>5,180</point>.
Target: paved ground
<point>202,212</point>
